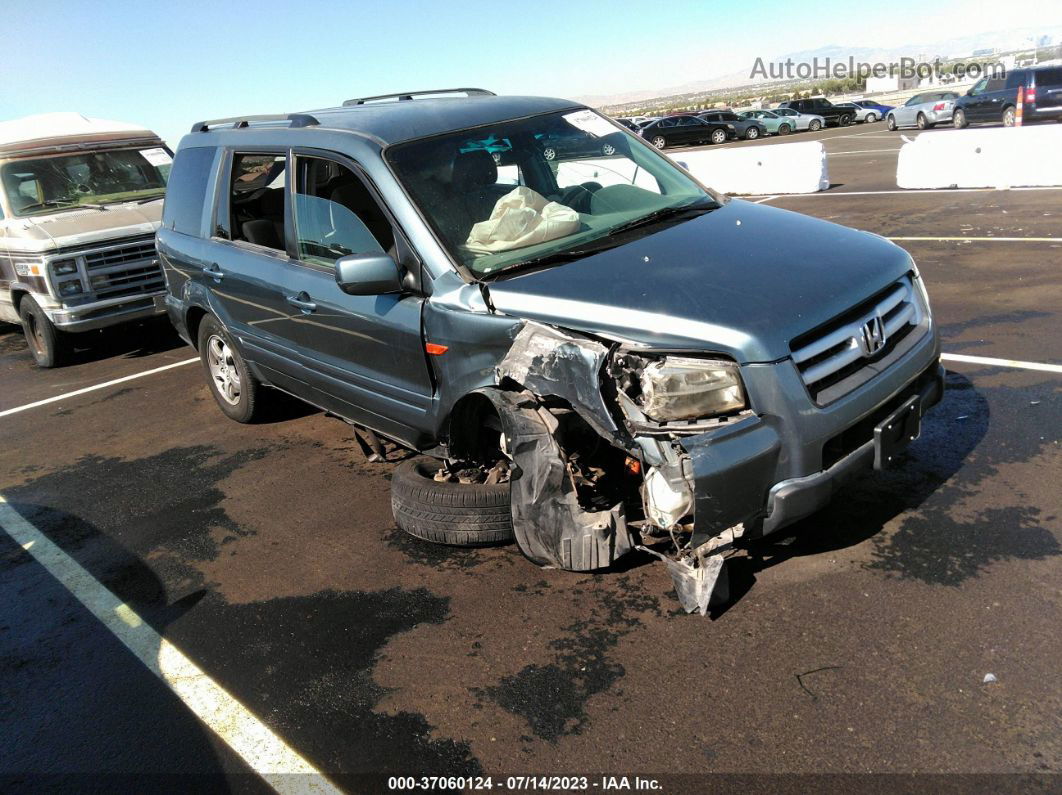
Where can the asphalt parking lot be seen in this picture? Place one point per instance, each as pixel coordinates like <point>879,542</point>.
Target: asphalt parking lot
<point>857,641</point>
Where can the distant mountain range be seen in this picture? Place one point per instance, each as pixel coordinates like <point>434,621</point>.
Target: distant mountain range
<point>958,47</point>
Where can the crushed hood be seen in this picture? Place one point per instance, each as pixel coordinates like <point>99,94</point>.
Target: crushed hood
<point>80,227</point>
<point>741,280</point>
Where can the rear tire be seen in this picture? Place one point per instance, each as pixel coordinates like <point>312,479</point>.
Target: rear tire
<point>815,125</point>
<point>751,134</point>
<point>458,514</point>
<point>1009,117</point>
<point>47,344</point>
<point>234,389</point>
<point>921,123</point>
<point>659,142</point>
<point>718,137</point>
<point>845,120</point>
<point>783,129</point>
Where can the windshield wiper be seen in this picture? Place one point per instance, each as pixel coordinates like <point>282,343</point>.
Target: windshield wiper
<point>663,214</point>
<point>64,203</point>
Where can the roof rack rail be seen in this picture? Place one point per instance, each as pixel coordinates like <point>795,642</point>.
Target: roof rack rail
<point>408,95</point>
<point>240,122</point>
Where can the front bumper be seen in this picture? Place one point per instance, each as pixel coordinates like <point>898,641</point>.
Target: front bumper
<point>102,314</point>
<point>736,470</point>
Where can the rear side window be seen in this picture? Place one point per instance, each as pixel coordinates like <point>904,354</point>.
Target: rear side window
<point>186,193</point>
<point>1048,77</point>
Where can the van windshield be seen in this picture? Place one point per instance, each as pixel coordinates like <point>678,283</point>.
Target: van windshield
<point>531,191</point>
<point>65,182</point>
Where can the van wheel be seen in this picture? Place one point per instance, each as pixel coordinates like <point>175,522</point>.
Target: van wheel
<point>234,388</point>
<point>1009,117</point>
<point>459,514</point>
<point>48,344</point>
<point>958,120</point>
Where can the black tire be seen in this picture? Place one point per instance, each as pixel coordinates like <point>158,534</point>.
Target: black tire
<point>246,406</point>
<point>814,125</point>
<point>48,344</point>
<point>958,120</point>
<point>890,122</point>
<point>458,514</point>
<point>659,141</point>
<point>718,137</point>
<point>783,129</point>
<point>845,120</point>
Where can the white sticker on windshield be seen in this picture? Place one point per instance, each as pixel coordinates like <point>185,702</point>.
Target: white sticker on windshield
<point>590,122</point>
<point>157,156</point>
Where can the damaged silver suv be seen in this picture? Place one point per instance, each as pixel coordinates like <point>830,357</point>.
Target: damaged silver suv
<point>590,348</point>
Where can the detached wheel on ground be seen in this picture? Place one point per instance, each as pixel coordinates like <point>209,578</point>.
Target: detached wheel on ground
<point>234,388</point>
<point>48,344</point>
<point>459,514</point>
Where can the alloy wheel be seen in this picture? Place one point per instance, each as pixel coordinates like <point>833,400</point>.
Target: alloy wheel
<point>223,370</point>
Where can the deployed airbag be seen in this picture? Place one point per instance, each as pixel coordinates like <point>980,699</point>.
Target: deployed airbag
<point>521,218</point>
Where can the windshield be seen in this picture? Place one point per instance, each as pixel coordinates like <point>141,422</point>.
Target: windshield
<point>515,193</point>
<point>48,184</point>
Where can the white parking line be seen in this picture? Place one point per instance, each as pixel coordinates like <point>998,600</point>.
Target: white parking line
<point>939,191</point>
<point>960,357</point>
<point>104,385</point>
<point>254,742</point>
<point>860,152</point>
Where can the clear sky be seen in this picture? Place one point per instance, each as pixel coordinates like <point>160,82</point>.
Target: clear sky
<point>166,65</point>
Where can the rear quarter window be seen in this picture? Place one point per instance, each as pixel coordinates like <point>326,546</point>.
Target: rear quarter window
<point>187,190</point>
<point>1049,77</point>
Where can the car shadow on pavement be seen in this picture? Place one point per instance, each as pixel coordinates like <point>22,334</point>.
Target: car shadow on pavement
<point>862,508</point>
<point>79,710</point>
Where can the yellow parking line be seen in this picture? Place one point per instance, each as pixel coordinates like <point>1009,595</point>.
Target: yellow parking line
<point>269,756</point>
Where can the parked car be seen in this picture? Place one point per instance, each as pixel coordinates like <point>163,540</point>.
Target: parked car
<point>566,145</point>
<point>749,129</point>
<point>923,110</point>
<point>995,99</point>
<point>80,202</point>
<point>820,106</point>
<point>685,131</point>
<point>638,356</point>
<point>877,111</point>
<point>772,123</point>
<point>802,121</point>
<point>630,124</point>
<point>861,114</point>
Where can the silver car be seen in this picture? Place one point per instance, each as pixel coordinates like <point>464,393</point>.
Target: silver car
<point>923,110</point>
<point>803,121</point>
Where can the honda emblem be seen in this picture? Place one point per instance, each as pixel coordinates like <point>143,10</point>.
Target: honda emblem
<point>872,336</point>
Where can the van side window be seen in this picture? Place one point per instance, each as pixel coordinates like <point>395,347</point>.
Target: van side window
<point>335,215</point>
<point>187,192</point>
<point>256,199</point>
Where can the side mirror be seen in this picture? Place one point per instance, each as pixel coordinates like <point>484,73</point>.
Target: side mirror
<point>368,274</point>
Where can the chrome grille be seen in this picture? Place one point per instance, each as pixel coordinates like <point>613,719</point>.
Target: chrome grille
<point>848,352</point>
<point>120,255</point>
<point>127,269</point>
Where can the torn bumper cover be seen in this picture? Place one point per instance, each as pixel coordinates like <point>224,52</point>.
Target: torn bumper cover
<point>551,526</point>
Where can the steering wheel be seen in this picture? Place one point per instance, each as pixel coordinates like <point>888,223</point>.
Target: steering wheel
<point>578,196</point>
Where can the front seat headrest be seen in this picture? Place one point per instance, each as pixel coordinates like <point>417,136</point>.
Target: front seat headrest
<point>475,169</point>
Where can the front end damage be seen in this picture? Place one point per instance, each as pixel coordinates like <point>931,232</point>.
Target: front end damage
<point>595,476</point>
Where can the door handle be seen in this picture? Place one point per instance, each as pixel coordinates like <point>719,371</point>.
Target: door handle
<point>303,305</point>
<point>214,272</point>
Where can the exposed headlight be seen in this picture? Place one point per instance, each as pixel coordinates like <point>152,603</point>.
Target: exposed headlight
<point>62,267</point>
<point>71,287</point>
<point>686,388</point>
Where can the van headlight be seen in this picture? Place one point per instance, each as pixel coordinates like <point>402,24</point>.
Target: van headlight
<point>688,388</point>
<point>62,267</point>
<point>71,287</point>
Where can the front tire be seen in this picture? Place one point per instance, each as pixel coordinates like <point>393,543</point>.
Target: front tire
<point>659,142</point>
<point>47,344</point>
<point>890,122</point>
<point>845,120</point>
<point>958,120</point>
<point>718,137</point>
<point>234,388</point>
<point>751,134</point>
<point>870,118</point>
<point>458,514</point>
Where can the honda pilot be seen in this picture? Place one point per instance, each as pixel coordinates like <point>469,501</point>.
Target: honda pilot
<point>589,351</point>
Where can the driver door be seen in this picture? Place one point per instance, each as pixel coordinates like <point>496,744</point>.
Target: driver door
<point>364,353</point>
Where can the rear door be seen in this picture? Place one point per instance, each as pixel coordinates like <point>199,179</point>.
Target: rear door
<point>365,353</point>
<point>246,266</point>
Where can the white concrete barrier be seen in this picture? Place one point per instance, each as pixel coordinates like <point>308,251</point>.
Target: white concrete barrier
<point>999,157</point>
<point>760,170</point>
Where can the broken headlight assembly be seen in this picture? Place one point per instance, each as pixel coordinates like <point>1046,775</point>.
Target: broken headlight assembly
<point>675,388</point>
